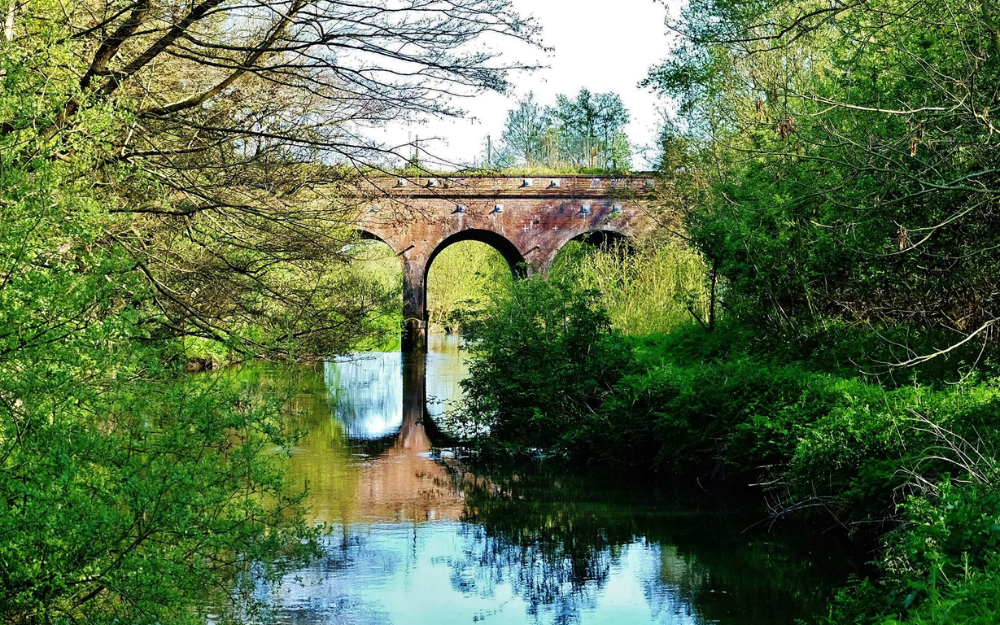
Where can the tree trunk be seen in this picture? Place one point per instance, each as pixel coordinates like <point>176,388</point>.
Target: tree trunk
<point>711,303</point>
<point>8,22</point>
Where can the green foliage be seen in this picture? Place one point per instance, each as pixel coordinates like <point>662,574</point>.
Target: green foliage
<point>542,359</point>
<point>527,389</point>
<point>849,173</point>
<point>951,540</point>
<point>851,182</point>
<point>942,567</point>
<point>811,439</point>
<point>373,263</point>
<point>646,288</point>
<point>591,121</point>
<point>525,132</point>
<point>128,494</point>
<point>166,502</point>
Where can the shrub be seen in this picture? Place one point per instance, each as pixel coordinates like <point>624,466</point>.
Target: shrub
<point>543,358</point>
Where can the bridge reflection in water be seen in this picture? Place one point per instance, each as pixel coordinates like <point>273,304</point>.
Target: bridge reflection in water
<point>383,470</point>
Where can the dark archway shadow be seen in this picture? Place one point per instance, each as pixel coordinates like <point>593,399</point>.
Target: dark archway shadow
<point>606,239</point>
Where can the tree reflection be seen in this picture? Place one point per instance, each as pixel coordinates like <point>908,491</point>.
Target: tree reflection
<point>548,576</point>
<point>558,541</point>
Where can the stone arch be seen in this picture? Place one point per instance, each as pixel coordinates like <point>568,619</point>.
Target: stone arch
<point>601,238</point>
<point>515,260</point>
<point>540,216</point>
<point>416,268</point>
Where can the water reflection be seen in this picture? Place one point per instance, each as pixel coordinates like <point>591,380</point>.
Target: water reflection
<point>354,477</point>
<point>366,390</point>
<point>366,393</point>
<point>416,541</point>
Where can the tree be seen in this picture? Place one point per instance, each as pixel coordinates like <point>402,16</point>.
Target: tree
<point>853,157</point>
<point>173,169</point>
<point>590,121</point>
<point>544,358</point>
<point>618,156</point>
<point>570,132</point>
<point>524,132</point>
<point>612,117</point>
<point>127,495</point>
<point>235,133</point>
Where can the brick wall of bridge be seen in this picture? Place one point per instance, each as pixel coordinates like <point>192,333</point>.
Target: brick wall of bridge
<point>527,219</point>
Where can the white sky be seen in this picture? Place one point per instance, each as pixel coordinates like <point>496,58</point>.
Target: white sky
<point>601,45</point>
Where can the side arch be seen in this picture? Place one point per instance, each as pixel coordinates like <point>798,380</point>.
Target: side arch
<point>368,235</point>
<point>599,238</point>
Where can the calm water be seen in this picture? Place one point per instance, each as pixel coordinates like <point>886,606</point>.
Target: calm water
<point>418,538</point>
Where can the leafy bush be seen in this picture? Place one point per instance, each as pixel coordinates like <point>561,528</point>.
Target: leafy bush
<point>941,567</point>
<point>543,358</point>
<point>910,464</point>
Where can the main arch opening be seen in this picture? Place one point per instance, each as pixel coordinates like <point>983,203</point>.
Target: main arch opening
<point>464,273</point>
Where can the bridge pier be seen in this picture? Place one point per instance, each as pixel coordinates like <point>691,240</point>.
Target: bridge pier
<point>414,339</point>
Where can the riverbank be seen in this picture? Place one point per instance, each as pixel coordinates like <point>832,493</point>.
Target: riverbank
<point>901,459</point>
<point>902,464</point>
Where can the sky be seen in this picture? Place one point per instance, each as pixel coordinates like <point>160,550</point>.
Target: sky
<point>598,44</point>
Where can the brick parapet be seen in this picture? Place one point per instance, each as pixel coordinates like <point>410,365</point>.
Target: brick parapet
<point>565,186</point>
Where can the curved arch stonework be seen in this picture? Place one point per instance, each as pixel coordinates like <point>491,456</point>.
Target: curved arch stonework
<point>523,218</point>
<point>509,251</point>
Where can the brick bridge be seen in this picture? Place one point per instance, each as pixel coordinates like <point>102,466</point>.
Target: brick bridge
<point>526,219</point>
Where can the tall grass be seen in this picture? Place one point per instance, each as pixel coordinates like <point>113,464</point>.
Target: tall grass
<point>646,288</point>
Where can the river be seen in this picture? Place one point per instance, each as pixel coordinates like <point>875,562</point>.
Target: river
<point>414,537</point>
